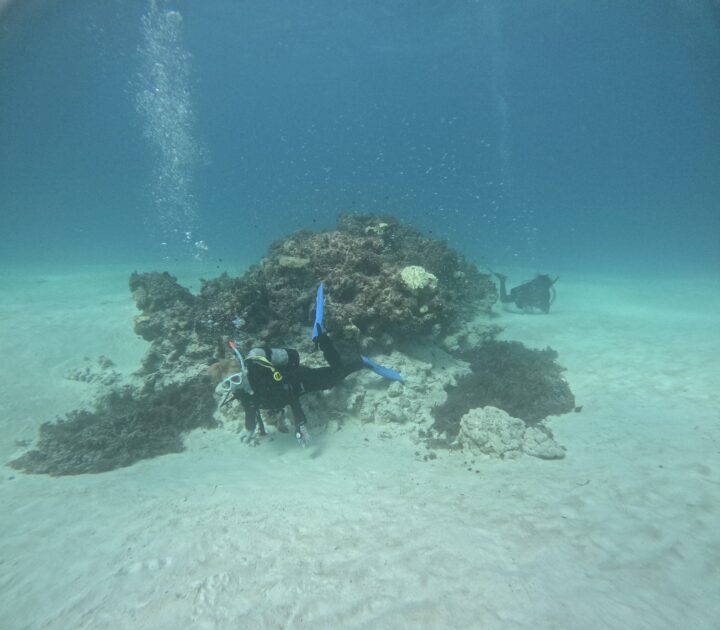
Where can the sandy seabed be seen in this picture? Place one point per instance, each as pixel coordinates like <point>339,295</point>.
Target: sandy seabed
<point>358,531</point>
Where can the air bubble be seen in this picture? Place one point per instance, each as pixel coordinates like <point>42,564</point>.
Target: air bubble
<point>163,102</point>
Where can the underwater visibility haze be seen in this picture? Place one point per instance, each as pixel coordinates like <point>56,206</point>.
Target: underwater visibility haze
<point>537,133</point>
<point>354,314</point>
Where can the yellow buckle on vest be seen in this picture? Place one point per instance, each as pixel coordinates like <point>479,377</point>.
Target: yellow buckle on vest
<point>260,360</point>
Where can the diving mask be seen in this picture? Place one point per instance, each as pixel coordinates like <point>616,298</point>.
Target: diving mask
<point>231,383</point>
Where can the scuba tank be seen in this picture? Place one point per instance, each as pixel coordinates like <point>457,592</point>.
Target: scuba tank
<point>274,358</point>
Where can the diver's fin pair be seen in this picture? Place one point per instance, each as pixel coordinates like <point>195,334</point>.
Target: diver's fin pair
<point>318,330</point>
<point>381,370</point>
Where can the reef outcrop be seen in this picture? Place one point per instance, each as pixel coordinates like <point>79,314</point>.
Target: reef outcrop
<point>388,289</point>
<point>385,284</point>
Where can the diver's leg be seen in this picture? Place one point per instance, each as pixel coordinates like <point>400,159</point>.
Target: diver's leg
<point>317,379</point>
<point>349,365</point>
<point>332,356</point>
<point>344,366</point>
<point>260,425</point>
<point>254,422</point>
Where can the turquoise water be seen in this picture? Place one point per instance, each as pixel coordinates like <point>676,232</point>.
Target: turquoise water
<point>552,136</point>
<point>579,139</point>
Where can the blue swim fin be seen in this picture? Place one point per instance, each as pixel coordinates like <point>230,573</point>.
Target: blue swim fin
<point>381,370</point>
<point>317,328</point>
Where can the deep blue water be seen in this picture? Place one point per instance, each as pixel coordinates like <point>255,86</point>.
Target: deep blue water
<point>552,135</point>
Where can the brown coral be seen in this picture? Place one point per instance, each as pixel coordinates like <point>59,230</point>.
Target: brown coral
<point>367,301</point>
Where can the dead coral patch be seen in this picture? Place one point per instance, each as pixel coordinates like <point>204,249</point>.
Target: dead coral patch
<point>126,426</point>
<point>526,383</point>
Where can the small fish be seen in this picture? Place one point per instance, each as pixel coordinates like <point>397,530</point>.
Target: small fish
<point>238,322</point>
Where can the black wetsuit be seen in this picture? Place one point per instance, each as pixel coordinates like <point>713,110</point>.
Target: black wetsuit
<point>536,293</point>
<point>276,387</point>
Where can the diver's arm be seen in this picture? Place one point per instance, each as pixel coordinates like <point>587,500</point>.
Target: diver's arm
<point>301,431</point>
<point>252,413</point>
<point>297,411</point>
<point>341,366</point>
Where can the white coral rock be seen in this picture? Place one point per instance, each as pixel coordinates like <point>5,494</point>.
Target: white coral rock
<point>417,278</point>
<point>491,431</point>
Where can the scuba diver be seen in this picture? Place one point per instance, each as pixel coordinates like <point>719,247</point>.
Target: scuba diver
<point>538,293</point>
<point>273,378</point>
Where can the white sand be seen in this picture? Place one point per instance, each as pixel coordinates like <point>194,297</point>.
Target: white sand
<point>358,532</point>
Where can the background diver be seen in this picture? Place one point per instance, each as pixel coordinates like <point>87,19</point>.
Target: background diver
<point>538,293</point>
<point>273,378</point>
